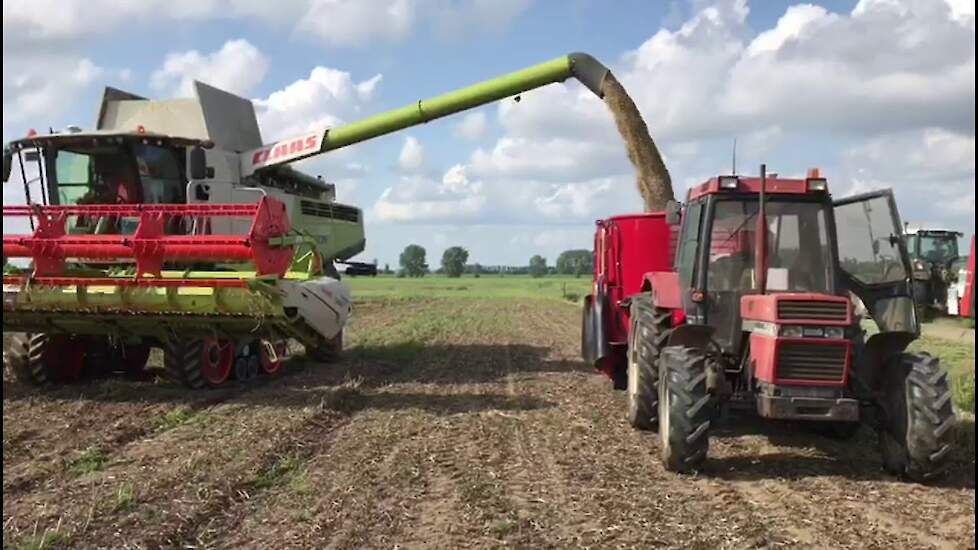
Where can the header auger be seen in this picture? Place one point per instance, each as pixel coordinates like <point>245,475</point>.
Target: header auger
<point>174,225</point>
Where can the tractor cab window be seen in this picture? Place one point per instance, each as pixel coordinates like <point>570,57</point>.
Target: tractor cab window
<point>798,257</point>
<point>940,249</point>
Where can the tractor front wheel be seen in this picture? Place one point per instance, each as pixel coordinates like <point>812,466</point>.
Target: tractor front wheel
<point>685,408</point>
<point>40,359</point>
<point>200,362</point>
<point>649,331</point>
<point>915,440</point>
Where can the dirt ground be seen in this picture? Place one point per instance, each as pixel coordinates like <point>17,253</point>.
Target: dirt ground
<point>479,430</point>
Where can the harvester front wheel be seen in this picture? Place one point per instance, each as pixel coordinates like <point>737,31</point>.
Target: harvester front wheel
<point>685,408</point>
<point>915,440</point>
<point>40,359</point>
<point>200,362</point>
<point>648,334</point>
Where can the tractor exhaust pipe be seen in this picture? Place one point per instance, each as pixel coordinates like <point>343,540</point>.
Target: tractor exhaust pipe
<point>760,236</point>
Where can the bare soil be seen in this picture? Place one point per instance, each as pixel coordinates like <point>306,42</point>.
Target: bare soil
<point>486,433</point>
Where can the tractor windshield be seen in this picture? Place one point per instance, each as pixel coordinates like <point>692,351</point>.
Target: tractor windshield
<point>799,257</point>
<point>940,249</point>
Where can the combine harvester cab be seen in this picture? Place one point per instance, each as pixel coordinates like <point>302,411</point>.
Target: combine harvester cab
<point>172,225</point>
<point>745,298</point>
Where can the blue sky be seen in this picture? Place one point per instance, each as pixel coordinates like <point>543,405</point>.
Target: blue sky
<point>877,93</point>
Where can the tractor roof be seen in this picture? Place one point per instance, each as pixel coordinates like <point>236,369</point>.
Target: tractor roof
<point>924,231</point>
<point>750,184</point>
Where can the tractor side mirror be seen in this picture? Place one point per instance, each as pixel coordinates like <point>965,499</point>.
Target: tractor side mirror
<point>673,213</point>
<point>198,164</point>
<point>8,157</point>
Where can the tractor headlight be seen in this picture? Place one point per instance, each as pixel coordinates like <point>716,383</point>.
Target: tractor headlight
<point>837,333</point>
<point>792,331</point>
<point>817,184</point>
<point>728,182</point>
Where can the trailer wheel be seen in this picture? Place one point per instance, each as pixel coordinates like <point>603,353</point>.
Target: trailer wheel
<point>915,441</point>
<point>650,330</point>
<point>40,359</point>
<point>326,351</point>
<point>200,362</point>
<point>685,408</point>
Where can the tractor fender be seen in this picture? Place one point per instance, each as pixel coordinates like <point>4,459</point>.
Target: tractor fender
<point>594,328</point>
<point>692,336</point>
<point>874,354</point>
<point>664,286</point>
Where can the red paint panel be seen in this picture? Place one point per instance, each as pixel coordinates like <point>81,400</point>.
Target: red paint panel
<point>969,287</point>
<point>665,289</point>
<point>117,281</point>
<point>626,248</point>
<point>763,349</point>
<point>764,358</point>
<point>764,307</point>
<point>753,185</point>
<point>148,246</point>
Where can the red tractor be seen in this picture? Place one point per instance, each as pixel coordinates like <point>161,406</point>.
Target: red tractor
<point>743,298</point>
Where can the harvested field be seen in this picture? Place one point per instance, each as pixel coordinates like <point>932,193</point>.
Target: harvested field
<point>450,422</point>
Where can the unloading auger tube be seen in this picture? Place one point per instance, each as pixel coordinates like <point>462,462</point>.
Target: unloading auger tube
<point>586,69</point>
<point>223,294</point>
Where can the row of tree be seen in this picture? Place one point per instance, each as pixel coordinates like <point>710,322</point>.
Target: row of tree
<point>454,263</point>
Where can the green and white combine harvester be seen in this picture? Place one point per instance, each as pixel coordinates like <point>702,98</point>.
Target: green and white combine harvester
<point>172,225</point>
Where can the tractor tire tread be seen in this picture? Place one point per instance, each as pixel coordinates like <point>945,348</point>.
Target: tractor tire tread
<point>652,328</point>
<point>685,446</point>
<point>916,438</point>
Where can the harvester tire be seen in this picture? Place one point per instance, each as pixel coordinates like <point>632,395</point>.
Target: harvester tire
<point>915,440</point>
<point>326,351</point>
<point>199,362</point>
<point>40,359</point>
<point>649,332</point>
<point>685,408</point>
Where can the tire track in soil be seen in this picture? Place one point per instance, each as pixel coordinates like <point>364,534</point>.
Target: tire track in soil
<point>85,429</point>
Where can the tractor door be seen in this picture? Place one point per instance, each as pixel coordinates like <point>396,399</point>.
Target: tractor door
<point>873,259</point>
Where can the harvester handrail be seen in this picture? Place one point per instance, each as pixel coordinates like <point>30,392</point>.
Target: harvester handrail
<point>193,209</point>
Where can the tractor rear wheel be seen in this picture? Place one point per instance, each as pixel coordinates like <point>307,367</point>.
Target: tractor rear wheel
<point>685,408</point>
<point>326,350</point>
<point>40,359</point>
<point>915,441</point>
<point>200,362</point>
<point>648,334</point>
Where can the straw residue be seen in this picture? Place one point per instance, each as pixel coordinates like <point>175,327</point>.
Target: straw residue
<point>654,183</point>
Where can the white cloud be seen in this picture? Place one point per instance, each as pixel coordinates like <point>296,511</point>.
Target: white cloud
<point>37,95</point>
<point>352,23</point>
<point>411,159</point>
<point>237,67</point>
<point>328,97</point>
<point>472,127</point>
<point>30,23</point>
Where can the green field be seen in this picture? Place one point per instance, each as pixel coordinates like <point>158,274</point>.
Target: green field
<point>958,357</point>
<point>485,286</point>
